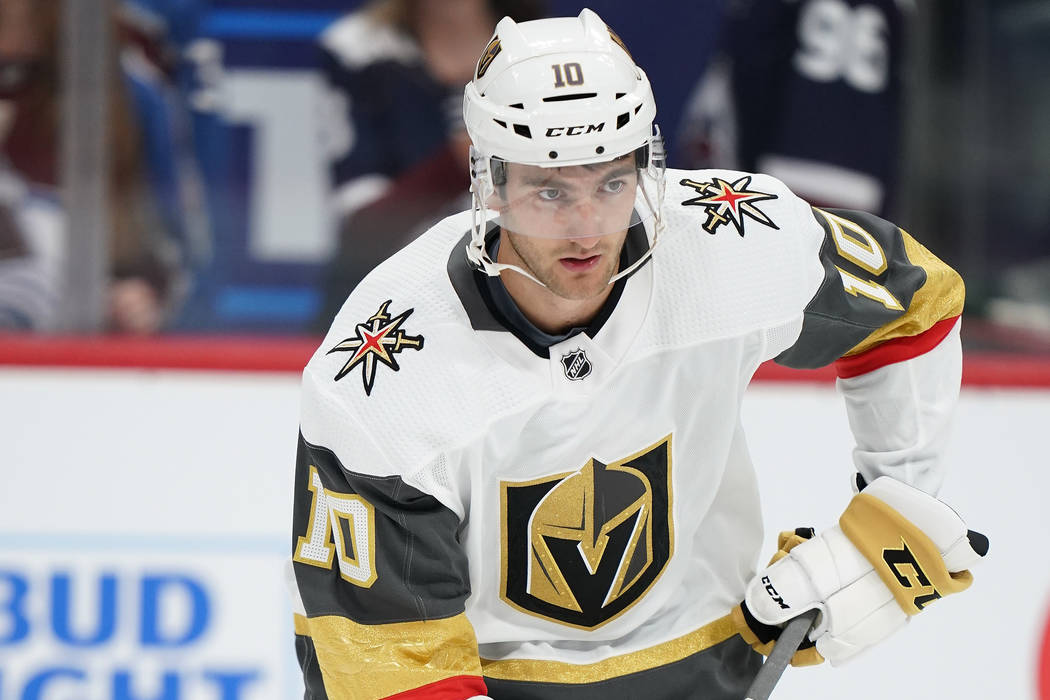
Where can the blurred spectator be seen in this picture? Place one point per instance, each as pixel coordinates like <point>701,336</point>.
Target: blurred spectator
<point>143,257</point>
<point>31,256</point>
<point>397,149</point>
<point>1016,185</point>
<point>808,91</point>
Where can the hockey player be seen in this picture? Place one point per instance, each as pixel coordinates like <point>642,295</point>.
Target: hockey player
<point>521,470</point>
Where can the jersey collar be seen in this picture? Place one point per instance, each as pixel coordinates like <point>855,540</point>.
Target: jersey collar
<point>490,307</point>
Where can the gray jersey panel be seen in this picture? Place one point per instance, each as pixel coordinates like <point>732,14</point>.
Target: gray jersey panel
<point>722,672</point>
<point>835,320</point>
<point>421,568</point>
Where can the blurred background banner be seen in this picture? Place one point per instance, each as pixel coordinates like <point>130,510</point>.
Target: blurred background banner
<point>274,130</point>
<point>263,155</point>
<point>242,130</point>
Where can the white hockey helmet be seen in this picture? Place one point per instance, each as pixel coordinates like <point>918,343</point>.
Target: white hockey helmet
<point>559,92</point>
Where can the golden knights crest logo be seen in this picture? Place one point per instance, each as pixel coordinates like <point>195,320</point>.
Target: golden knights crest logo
<point>490,52</point>
<point>582,548</point>
<point>728,203</point>
<point>379,339</point>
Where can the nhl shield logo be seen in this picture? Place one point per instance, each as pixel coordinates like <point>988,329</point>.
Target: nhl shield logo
<point>576,364</point>
<point>582,548</point>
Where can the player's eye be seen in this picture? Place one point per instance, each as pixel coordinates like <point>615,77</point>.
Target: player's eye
<point>614,186</point>
<point>549,194</point>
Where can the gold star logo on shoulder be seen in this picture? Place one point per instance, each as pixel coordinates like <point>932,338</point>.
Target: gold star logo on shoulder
<point>729,203</point>
<point>379,339</point>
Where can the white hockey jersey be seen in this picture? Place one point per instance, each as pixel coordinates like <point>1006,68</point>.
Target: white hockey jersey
<point>478,515</point>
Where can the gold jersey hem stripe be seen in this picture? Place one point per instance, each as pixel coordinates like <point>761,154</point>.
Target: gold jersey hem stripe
<point>544,671</point>
<point>376,661</point>
<point>940,297</point>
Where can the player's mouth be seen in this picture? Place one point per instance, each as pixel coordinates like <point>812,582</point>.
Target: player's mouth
<point>575,264</point>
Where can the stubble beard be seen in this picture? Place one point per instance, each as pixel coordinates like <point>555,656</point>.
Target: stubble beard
<point>562,283</point>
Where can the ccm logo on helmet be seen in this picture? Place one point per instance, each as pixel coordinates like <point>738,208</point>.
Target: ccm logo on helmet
<point>574,130</point>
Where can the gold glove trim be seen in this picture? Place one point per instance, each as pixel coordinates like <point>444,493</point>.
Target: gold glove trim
<point>544,671</point>
<point>907,561</point>
<point>786,541</point>
<point>375,661</point>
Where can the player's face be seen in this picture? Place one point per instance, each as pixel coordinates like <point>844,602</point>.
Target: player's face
<point>567,225</point>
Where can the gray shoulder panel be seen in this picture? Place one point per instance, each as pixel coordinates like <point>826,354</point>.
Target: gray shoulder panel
<point>421,569</point>
<point>836,319</point>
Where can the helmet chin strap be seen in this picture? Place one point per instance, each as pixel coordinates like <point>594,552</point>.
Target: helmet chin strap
<point>658,227</point>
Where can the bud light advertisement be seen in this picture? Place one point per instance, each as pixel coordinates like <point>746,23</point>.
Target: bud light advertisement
<point>125,625</point>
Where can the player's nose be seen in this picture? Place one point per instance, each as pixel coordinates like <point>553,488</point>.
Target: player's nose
<point>585,227</point>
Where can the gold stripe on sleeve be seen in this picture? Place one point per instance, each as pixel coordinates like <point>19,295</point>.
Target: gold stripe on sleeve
<point>375,661</point>
<point>940,297</point>
<point>545,671</point>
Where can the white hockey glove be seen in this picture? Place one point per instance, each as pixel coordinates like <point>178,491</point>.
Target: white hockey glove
<point>896,550</point>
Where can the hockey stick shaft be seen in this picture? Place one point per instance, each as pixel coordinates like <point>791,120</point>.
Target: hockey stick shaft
<point>785,648</point>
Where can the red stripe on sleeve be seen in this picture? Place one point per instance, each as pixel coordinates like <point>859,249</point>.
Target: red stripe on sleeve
<point>896,350</point>
<point>455,688</point>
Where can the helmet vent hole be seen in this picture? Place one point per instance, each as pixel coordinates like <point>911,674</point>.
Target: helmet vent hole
<point>637,109</point>
<point>574,96</point>
<point>517,105</point>
<point>600,150</point>
<point>620,94</point>
<point>523,130</point>
<point>501,123</point>
<point>621,121</point>
<point>552,155</point>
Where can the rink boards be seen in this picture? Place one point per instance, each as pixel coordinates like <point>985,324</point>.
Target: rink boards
<point>144,526</point>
